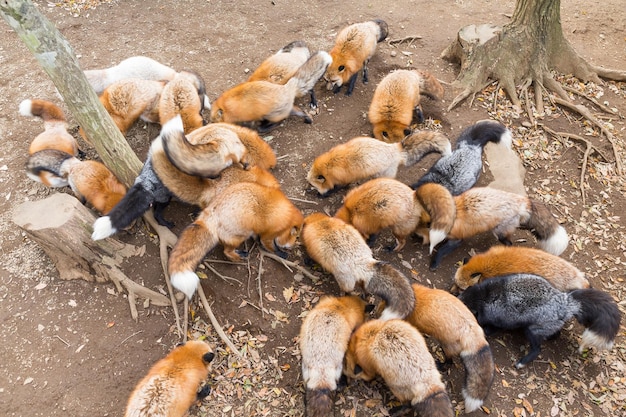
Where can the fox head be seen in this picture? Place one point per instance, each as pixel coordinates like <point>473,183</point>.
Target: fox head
<point>287,238</point>
<point>391,131</point>
<point>339,71</point>
<point>317,178</point>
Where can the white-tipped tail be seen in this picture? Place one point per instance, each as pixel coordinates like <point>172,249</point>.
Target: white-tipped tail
<point>185,282</point>
<point>471,403</point>
<point>102,228</point>
<point>326,58</point>
<point>390,314</point>
<point>447,150</point>
<point>173,125</point>
<point>594,340</point>
<point>25,107</point>
<point>556,243</point>
<point>435,237</point>
<point>506,139</point>
<point>207,102</point>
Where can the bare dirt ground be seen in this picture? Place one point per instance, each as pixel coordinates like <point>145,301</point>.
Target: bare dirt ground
<point>71,348</point>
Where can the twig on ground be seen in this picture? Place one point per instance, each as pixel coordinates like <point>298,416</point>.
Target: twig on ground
<point>409,39</point>
<point>215,323</point>
<point>288,264</point>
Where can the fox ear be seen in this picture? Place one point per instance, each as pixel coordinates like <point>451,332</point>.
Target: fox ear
<point>357,369</point>
<point>475,275</point>
<point>208,357</point>
<point>321,178</point>
<point>385,134</point>
<point>465,260</point>
<point>294,231</point>
<point>369,308</point>
<point>407,132</point>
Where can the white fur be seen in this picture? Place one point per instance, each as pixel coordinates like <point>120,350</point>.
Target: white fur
<point>471,403</point>
<point>390,314</point>
<point>435,236</point>
<point>556,243</point>
<point>506,139</point>
<point>102,228</point>
<point>592,339</point>
<point>185,282</point>
<point>327,58</point>
<point>26,107</point>
<point>173,125</point>
<point>447,151</point>
<point>207,103</point>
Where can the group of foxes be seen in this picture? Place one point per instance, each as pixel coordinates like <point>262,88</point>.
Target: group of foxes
<point>224,168</point>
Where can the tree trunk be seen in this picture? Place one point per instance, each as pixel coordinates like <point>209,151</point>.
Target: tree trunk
<point>62,226</point>
<point>56,57</point>
<point>520,53</point>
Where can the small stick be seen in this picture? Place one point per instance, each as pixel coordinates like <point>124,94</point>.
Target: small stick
<point>258,280</point>
<point>410,39</point>
<point>134,334</point>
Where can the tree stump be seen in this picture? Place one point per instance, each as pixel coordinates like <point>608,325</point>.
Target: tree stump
<point>62,226</point>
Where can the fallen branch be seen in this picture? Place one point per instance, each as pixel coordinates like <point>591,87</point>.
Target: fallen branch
<point>409,39</point>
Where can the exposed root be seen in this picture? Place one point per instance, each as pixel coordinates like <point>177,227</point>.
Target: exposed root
<point>215,323</point>
<point>609,74</point>
<point>288,264</point>
<point>593,100</point>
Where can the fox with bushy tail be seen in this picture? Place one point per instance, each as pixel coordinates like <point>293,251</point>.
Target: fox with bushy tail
<point>483,209</point>
<point>171,386</point>
<point>324,337</point>
<point>444,317</point>
<point>363,158</point>
<point>239,212</point>
<point>397,99</point>
<point>460,170</point>
<point>340,249</point>
<point>354,47</point>
<point>397,352</point>
<point>269,103</point>
<point>530,303</point>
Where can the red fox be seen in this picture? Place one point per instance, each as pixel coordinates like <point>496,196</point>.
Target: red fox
<point>482,209</point>
<point>324,337</point>
<point>504,260</point>
<point>130,99</point>
<point>444,317</point>
<point>363,158</point>
<point>91,181</point>
<point>241,211</point>
<point>205,159</point>
<point>388,203</point>
<point>354,46</point>
<point>134,67</point>
<point>397,98</point>
<point>340,249</point>
<point>259,152</point>
<point>397,352</point>
<point>171,385</point>
<point>180,96</point>
<point>267,102</point>
<point>55,134</point>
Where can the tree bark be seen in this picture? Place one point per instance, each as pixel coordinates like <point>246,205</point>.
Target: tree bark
<point>56,57</point>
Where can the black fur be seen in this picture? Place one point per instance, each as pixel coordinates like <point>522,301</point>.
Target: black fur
<point>319,402</point>
<point>459,171</point>
<point>530,303</point>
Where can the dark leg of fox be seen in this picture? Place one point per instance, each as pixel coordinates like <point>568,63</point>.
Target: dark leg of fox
<point>419,114</point>
<point>81,154</point>
<point>365,73</point>
<point>448,246</point>
<point>278,251</point>
<point>296,111</point>
<point>351,83</point>
<point>313,103</point>
<point>266,126</point>
<point>242,253</point>
<point>535,341</point>
<point>371,239</point>
<point>158,214</point>
<point>505,240</point>
<point>204,392</point>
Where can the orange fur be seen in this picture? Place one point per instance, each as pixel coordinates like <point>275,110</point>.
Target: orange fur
<point>396,98</point>
<point>354,46</point>
<point>397,352</point>
<point>388,203</point>
<point>324,337</point>
<point>170,387</point>
<point>444,317</point>
<point>504,260</point>
<point>55,134</point>
<point>180,96</point>
<point>131,99</point>
<point>281,66</point>
<point>237,213</point>
<point>91,181</point>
